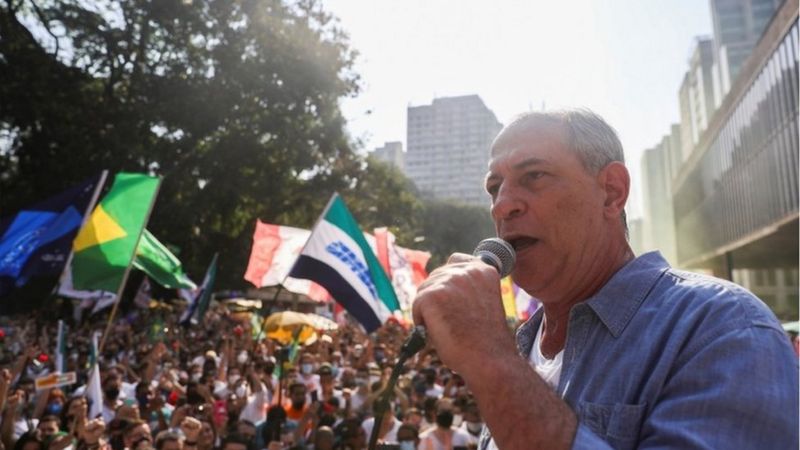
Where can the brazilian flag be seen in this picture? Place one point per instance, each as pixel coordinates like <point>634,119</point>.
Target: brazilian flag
<point>106,244</point>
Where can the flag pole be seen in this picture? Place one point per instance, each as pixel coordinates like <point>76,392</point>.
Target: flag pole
<point>86,213</point>
<point>128,268</point>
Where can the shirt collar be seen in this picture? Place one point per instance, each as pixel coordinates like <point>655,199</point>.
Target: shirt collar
<point>617,301</point>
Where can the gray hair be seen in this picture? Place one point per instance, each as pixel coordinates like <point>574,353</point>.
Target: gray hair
<point>588,135</point>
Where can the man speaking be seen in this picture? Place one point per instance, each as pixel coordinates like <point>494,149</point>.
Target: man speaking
<point>626,352</point>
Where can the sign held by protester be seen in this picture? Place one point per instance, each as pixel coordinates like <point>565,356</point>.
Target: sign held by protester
<point>55,380</point>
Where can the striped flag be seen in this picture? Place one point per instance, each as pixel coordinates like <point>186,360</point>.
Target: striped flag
<point>198,300</point>
<point>338,257</point>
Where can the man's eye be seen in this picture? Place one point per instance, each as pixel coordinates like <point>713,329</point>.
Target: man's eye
<point>492,189</point>
<point>535,175</point>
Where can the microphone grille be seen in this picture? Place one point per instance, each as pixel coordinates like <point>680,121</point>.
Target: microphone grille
<point>501,250</point>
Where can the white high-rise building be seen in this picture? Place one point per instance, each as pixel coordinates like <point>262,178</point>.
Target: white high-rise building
<point>696,96</point>
<point>391,153</point>
<point>738,25</point>
<point>448,148</point>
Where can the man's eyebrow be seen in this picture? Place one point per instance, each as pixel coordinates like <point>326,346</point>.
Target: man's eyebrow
<point>525,163</point>
<point>532,161</point>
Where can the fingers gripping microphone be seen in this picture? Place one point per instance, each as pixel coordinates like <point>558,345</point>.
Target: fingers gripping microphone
<point>494,252</point>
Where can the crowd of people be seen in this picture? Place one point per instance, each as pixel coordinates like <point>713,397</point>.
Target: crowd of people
<point>219,385</point>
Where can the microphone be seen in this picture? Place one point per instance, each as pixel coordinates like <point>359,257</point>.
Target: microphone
<point>498,254</point>
<point>494,252</point>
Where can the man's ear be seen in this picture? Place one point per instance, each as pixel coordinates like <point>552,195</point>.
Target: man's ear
<point>616,182</point>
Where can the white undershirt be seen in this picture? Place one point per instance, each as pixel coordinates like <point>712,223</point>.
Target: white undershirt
<point>548,369</point>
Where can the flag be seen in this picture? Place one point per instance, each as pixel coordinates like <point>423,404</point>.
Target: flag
<point>526,304</point>
<point>275,249</point>
<point>418,260</point>
<point>507,294</point>
<point>400,269</point>
<point>66,289</point>
<point>94,391</point>
<point>103,303</point>
<point>37,240</point>
<point>143,294</point>
<point>198,303</point>
<point>61,348</point>
<point>338,257</point>
<point>105,245</point>
<point>155,259</point>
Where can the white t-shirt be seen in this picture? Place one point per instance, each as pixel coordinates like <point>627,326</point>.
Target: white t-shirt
<point>390,437</point>
<point>429,441</point>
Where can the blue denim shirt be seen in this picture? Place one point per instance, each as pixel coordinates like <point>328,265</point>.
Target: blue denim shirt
<point>671,359</point>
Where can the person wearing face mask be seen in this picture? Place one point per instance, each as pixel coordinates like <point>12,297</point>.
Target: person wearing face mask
<point>111,395</point>
<point>443,436</point>
<point>472,424</point>
<point>408,437</point>
<point>55,403</point>
<point>307,375</point>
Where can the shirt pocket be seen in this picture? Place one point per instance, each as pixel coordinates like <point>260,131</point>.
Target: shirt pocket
<point>619,423</point>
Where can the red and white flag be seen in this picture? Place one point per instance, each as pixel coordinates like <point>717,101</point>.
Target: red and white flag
<point>275,249</point>
<point>405,267</point>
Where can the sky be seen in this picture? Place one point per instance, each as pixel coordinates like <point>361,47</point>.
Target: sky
<point>624,59</point>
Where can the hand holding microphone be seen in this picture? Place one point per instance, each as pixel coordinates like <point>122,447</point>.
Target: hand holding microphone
<point>460,309</point>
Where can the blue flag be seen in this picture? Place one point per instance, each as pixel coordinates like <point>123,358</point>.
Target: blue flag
<point>36,241</point>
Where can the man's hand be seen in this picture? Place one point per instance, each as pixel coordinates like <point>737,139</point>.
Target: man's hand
<point>461,307</point>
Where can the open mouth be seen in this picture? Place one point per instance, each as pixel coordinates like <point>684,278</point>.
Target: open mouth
<point>521,243</point>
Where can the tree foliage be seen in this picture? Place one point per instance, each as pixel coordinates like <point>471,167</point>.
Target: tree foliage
<point>450,227</point>
<point>235,103</point>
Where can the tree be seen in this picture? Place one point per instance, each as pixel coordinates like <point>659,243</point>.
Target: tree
<point>450,227</point>
<point>234,103</point>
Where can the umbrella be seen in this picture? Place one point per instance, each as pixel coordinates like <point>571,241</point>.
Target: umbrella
<point>282,326</point>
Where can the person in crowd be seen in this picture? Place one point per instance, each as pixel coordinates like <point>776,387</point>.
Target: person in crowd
<point>627,351</point>
<point>443,436</point>
<point>472,424</point>
<point>408,437</point>
<point>388,428</point>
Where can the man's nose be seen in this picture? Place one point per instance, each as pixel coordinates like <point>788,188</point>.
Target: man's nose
<point>507,203</point>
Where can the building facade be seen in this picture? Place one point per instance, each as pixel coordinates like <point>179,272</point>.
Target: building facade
<point>448,148</point>
<point>736,197</point>
<point>738,25</point>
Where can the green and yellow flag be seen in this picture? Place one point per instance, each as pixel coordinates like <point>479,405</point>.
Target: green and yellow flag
<point>105,245</point>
